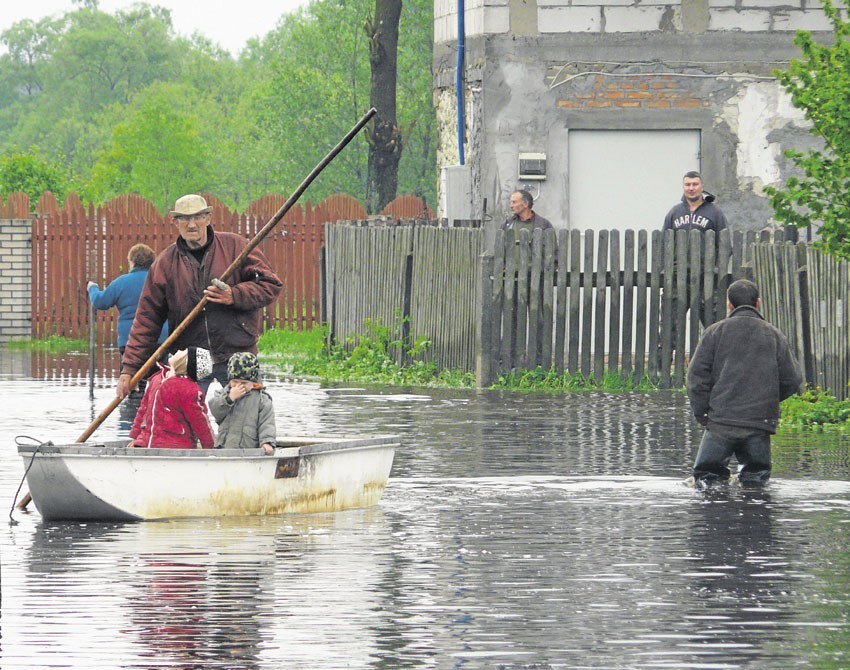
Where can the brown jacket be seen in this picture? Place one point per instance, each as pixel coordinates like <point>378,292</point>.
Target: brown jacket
<point>175,285</point>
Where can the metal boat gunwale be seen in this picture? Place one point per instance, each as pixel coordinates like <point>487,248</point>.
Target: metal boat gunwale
<point>109,481</point>
<point>287,449</point>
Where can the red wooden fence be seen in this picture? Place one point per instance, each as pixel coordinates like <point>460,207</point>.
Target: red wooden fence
<point>76,243</point>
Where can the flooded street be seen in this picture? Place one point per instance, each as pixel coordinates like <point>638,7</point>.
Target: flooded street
<point>516,531</point>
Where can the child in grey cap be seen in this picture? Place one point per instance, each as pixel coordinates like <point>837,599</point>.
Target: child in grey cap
<point>243,408</point>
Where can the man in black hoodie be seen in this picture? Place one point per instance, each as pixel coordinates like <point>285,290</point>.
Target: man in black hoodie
<point>696,210</point>
<point>741,370</point>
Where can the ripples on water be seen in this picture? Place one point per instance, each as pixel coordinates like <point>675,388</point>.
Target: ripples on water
<point>516,532</point>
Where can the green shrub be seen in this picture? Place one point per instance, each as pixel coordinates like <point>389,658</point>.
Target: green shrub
<point>817,410</point>
<point>380,356</point>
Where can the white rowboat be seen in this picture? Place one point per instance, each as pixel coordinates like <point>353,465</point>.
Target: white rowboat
<point>105,481</point>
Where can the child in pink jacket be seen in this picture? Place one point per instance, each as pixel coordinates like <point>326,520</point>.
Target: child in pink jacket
<point>173,412</point>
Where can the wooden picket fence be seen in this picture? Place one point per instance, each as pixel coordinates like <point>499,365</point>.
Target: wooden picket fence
<point>583,302</point>
<point>416,280</point>
<point>815,318</point>
<point>602,303</point>
<point>74,243</point>
<point>631,304</point>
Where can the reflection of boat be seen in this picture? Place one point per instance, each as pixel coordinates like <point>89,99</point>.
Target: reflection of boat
<point>108,482</point>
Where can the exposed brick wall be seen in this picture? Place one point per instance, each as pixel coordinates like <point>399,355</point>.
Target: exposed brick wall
<point>633,92</point>
<point>15,278</point>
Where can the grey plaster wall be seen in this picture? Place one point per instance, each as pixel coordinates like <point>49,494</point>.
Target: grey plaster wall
<point>691,68</point>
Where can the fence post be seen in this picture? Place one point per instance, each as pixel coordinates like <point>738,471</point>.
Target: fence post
<point>485,360</point>
<point>802,282</point>
<point>16,274</point>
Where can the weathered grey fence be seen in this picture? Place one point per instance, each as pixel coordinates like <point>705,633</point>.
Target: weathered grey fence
<point>588,303</point>
<point>421,278</point>
<point>631,304</point>
<point>805,293</point>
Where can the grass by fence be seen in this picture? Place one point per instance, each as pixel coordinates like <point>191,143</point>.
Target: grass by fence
<point>632,304</point>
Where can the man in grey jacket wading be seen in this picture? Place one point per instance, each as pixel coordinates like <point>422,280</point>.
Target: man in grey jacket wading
<point>740,372</point>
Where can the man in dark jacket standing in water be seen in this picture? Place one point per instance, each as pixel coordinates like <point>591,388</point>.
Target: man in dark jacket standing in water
<point>182,275</point>
<point>740,372</point>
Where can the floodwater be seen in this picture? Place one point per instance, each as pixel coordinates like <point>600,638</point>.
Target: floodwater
<point>517,531</point>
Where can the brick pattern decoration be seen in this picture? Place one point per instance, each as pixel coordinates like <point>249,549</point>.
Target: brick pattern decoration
<point>630,92</point>
<point>15,278</point>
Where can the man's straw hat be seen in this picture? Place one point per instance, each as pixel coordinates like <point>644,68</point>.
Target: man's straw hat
<point>189,205</point>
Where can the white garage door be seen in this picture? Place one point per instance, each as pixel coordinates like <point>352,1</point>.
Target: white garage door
<point>627,179</point>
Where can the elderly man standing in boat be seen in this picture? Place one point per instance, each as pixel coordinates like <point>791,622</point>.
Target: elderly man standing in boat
<point>188,271</point>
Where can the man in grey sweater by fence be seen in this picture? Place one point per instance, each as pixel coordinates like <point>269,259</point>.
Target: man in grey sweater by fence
<point>741,370</point>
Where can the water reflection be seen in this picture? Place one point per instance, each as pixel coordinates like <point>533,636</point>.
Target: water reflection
<point>198,605</point>
<point>738,574</point>
<point>517,531</point>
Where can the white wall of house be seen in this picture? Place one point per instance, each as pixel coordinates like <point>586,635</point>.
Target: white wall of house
<point>537,71</point>
<point>626,179</point>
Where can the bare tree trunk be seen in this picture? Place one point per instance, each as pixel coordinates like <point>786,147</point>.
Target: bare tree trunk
<point>383,136</point>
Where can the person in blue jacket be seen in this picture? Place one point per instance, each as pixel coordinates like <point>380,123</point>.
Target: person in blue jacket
<point>124,291</point>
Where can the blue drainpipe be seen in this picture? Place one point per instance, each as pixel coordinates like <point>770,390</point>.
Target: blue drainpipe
<point>461,47</point>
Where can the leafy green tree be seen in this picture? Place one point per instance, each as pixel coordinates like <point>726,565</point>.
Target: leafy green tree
<point>819,84</point>
<point>28,47</point>
<point>131,107</point>
<point>309,93</point>
<point>106,57</point>
<point>65,72</point>
<point>315,88</point>
<point>221,86</point>
<point>416,114</point>
<point>27,173</point>
<point>157,150</point>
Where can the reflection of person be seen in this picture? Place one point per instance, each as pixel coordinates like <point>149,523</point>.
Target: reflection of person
<point>124,291</point>
<point>243,408</point>
<point>182,275</point>
<point>740,372</point>
<point>733,542</point>
<point>199,612</point>
<point>524,217</point>
<point>173,413</point>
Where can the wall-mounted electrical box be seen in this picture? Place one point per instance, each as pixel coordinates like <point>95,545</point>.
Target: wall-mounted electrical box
<point>456,192</point>
<point>532,166</point>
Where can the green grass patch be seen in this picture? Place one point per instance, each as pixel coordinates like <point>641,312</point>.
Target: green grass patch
<point>380,356</point>
<point>53,344</point>
<point>558,382</point>
<point>374,359</point>
<point>815,410</point>
<point>290,349</point>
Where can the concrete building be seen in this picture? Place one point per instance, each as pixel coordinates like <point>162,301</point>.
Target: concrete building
<point>598,107</point>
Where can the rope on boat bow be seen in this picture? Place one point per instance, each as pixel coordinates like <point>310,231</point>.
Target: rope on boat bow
<point>19,441</point>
